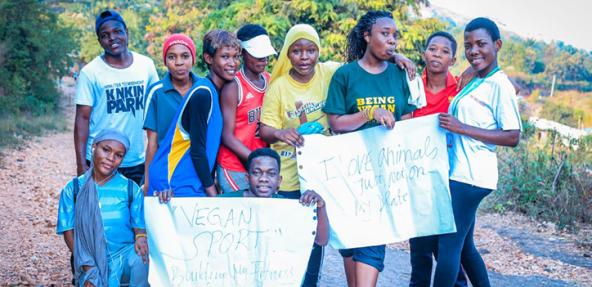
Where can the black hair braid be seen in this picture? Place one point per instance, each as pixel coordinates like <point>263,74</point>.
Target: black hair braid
<point>356,45</point>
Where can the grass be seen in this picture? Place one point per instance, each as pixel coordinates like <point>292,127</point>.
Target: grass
<point>547,179</point>
<point>17,129</point>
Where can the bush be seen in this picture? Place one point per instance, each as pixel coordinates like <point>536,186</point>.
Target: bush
<point>35,51</point>
<point>547,177</point>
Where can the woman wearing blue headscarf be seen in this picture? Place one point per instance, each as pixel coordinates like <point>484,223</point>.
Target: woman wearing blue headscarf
<point>107,212</point>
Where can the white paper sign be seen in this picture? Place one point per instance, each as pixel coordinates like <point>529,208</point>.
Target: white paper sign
<point>228,241</point>
<point>381,186</point>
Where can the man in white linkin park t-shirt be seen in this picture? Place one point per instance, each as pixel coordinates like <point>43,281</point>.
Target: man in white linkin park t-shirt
<point>110,94</point>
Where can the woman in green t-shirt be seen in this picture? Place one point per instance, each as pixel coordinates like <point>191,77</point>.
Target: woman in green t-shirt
<point>366,92</point>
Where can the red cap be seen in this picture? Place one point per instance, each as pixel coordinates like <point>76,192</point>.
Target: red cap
<point>178,39</point>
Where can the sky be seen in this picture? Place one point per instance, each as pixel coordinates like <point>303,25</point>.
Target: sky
<point>569,21</point>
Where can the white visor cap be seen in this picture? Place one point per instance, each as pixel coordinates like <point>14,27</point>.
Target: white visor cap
<point>259,46</point>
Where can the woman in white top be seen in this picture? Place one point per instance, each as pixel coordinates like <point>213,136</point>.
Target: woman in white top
<point>482,116</point>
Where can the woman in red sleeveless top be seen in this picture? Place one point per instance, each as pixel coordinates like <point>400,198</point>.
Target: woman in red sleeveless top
<point>241,102</point>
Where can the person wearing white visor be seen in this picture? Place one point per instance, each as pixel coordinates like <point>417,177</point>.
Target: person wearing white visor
<point>241,102</point>
<point>258,46</point>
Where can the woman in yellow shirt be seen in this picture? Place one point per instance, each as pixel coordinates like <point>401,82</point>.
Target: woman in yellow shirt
<point>292,107</point>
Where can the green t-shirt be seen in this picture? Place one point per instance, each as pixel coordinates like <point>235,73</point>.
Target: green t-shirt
<point>353,89</point>
<point>240,193</point>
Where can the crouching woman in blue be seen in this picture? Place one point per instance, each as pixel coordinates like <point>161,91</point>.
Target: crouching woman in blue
<point>482,116</point>
<point>107,211</point>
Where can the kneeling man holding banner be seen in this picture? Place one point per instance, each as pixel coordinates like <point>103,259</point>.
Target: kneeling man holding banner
<point>236,241</point>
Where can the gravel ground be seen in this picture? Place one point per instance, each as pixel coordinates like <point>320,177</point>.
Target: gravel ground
<point>517,250</point>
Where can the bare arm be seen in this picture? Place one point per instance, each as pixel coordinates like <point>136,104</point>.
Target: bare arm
<point>141,244</point>
<point>465,77</point>
<point>228,104</point>
<point>150,152</point>
<point>290,136</point>
<point>69,238</point>
<point>468,74</point>
<point>351,122</point>
<point>81,122</point>
<point>308,198</point>
<point>346,123</point>
<point>406,64</point>
<point>497,137</point>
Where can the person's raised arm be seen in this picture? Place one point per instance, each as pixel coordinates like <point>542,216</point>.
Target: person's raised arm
<point>309,198</point>
<point>405,64</point>
<point>228,104</point>
<point>196,114</point>
<point>81,130</point>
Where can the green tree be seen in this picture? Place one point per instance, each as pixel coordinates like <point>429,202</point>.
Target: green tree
<point>562,113</point>
<point>35,48</point>
<point>331,18</point>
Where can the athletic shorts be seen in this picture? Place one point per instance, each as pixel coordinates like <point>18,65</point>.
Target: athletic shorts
<point>371,255</point>
<point>231,181</point>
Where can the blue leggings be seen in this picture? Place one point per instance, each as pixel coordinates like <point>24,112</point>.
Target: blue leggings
<point>454,248</point>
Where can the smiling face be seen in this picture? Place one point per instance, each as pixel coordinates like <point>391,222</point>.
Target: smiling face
<point>303,55</point>
<point>264,176</point>
<point>382,39</point>
<point>255,65</point>
<point>223,64</point>
<point>107,157</point>
<point>112,36</point>
<point>438,55</point>
<point>481,51</point>
<point>179,62</point>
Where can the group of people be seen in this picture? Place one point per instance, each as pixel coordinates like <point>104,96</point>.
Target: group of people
<point>209,136</point>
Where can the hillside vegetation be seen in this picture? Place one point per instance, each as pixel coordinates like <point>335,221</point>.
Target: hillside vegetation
<point>41,40</point>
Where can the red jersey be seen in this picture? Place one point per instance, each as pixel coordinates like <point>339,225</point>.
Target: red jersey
<point>246,128</point>
<point>438,102</point>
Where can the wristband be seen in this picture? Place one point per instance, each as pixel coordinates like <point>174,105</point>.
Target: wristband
<point>140,235</point>
<point>369,112</point>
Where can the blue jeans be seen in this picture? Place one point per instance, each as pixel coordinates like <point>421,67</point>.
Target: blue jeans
<point>454,248</point>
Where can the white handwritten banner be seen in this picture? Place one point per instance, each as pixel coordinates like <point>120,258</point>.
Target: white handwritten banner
<point>228,241</point>
<point>381,186</point>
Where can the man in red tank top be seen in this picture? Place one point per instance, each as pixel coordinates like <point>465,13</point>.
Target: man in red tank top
<point>241,102</point>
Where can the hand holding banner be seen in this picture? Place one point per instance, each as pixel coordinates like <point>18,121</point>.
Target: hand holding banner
<point>381,186</point>
<point>228,241</point>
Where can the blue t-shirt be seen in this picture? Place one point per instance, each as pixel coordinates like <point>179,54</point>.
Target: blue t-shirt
<point>117,100</point>
<point>163,101</point>
<point>119,216</point>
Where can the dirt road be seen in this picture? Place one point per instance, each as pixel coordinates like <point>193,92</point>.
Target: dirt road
<point>517,251</point>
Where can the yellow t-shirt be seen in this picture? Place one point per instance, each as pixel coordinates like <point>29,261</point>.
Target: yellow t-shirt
<point>289,104</point>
